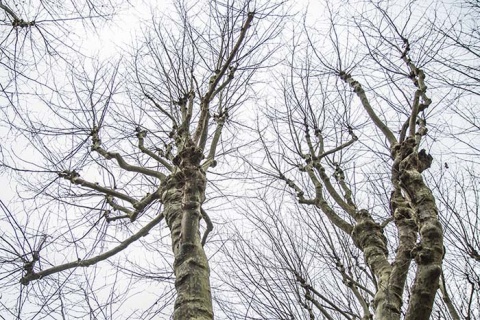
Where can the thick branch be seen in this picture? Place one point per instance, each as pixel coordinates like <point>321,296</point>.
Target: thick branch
<point>230,77</point>
<point>74,177</point>
<point>124,165</point>
<point>118,207</point>
<point>357,88</point>
<point>331,190</point>
<point>298,191</point>
<point>340,177</point>
<point>141,140</point>
<point>322,154</point>
<point>142,204</point>
<point>324,206</point>
<point>418,77</point>
<point>30,276</point>
<point>215,80</point>
<point>16,21</point>
<point>220,119</point>
<point>209,224</point>
<point>139,206</point>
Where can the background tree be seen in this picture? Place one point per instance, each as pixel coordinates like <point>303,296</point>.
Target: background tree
<point>126,147</point>
<point>36,36</point>
<point>457,181</point>
<point>350,140</point>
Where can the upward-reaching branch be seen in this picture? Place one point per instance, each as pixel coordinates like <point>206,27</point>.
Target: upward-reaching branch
<point>357,88</point>
<point>201,131</point>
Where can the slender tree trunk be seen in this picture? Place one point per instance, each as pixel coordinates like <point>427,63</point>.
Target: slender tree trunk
<point>183,195</point>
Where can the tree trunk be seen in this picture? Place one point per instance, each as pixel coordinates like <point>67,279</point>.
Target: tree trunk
<point>368,237</point>
<point>183,195</point>
<point>428,253</point>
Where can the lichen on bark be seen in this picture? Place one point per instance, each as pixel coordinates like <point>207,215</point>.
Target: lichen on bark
<point>428,252</point>
<point>183,195</point>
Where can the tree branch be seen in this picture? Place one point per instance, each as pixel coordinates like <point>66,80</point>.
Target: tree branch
<point>121,162</point>
<point>74,177</point>
<point>357,88</point>
<point>16,21</point>
<point>215,80</point>
<point>31,275</point>
<point>141,134</point>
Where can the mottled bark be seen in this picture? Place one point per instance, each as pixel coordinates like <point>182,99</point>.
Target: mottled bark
<point>183,195</point>
<point>414,212</point>
<point>428,253</point>
<point>368,237</point>
<point>403,217</point>
<point>407,233</point>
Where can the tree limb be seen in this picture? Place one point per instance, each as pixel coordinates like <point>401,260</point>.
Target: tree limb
<point>31,275</point>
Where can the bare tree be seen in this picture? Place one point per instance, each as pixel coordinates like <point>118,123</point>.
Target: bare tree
<point>354,175</point>
<point>40,38</point>
<point>459,204</point>
<point>141,138</point>
<point>37,34</point>
<point>350,142</point>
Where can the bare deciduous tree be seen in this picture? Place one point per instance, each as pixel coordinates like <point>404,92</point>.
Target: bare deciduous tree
<point>362,206</point>
<point>141,139</point>
<point>350,142</point>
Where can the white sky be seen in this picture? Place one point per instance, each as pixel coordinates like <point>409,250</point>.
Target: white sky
<point>116,38</point>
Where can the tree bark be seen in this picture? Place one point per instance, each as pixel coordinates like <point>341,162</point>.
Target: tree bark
<point>183,194</point>
<point>428,253</point>
<point>368,237</point>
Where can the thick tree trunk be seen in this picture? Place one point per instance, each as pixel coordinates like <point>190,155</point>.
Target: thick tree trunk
<point>183,195</point>
<point>368,237</point>
<point>428,253</point>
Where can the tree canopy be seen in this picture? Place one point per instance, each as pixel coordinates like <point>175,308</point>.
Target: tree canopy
<point>241,160</point>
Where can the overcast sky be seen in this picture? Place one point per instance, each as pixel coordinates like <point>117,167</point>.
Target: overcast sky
<point>110,41</point>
